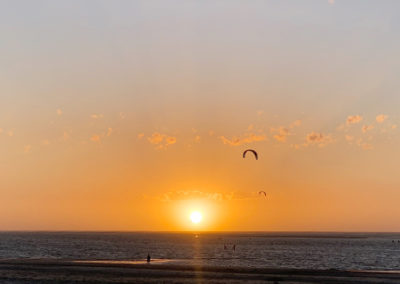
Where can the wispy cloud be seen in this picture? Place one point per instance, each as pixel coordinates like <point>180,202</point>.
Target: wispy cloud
<point>251,135</point>
<point>295,123</point>
<point>354,119</point>
<point>95,138</point>
<point>162,141</point>
<point>244,139</point>
<point>364,145</point>
<point>170,140</point>
<point>281,133</point>
<point>109,132</point>
<point>352,140</point>
<point>194,194</point>
<point>96,116</point>
<point>381,118</point>
<point>367,146</point>
<point>367,128</point>
<point>198,194</point>
<point>319,139</point>
<point>156,138</point>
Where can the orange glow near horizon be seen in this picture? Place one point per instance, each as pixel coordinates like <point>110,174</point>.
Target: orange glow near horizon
<point>130,115</point>
<point>195,214</point>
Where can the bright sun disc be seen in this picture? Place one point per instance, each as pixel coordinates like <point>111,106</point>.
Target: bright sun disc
<point>196,217</point>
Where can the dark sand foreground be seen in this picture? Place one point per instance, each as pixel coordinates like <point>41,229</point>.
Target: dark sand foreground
<point>57,271</point>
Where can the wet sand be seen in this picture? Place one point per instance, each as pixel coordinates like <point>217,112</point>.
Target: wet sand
<point>68,271</point>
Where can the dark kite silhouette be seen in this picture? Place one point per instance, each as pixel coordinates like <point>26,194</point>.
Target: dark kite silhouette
<point>252,151</point>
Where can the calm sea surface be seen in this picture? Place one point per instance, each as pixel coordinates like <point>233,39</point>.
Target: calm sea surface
<point>275,250</point>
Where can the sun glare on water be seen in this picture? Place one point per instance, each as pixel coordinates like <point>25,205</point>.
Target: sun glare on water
<point>196,217</point>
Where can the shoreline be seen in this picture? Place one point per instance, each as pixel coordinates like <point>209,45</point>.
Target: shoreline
<point>103,271</point>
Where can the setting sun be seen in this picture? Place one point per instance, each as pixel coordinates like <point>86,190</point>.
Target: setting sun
<point>196,217</point>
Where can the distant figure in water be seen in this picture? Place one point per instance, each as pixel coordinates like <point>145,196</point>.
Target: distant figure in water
<point>234,247</point>
<point>392,241</point>
<point>148,258</point>
<point>224,246</point>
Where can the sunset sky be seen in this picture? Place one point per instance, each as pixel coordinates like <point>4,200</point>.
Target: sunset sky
<point>130,115</point>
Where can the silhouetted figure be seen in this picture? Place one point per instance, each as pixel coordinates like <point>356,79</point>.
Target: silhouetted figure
<point>392,241</point>
<point>234,247</point>
<point>225,247</point>
<point>148,258</point>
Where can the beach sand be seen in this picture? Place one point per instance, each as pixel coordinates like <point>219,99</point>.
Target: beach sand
<point>67,271</point>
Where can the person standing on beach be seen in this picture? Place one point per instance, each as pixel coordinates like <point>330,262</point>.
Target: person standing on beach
<point>148,258</point>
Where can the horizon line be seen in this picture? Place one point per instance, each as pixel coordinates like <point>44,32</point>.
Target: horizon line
<point>196,232</point>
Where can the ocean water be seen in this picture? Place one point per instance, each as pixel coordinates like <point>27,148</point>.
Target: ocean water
<point>344,251</point>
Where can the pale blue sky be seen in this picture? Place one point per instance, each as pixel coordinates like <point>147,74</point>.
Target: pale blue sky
<point>149,54</point>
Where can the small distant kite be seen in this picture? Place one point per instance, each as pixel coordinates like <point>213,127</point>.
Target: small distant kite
<point>252,151</point>
<point>262,192</point>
